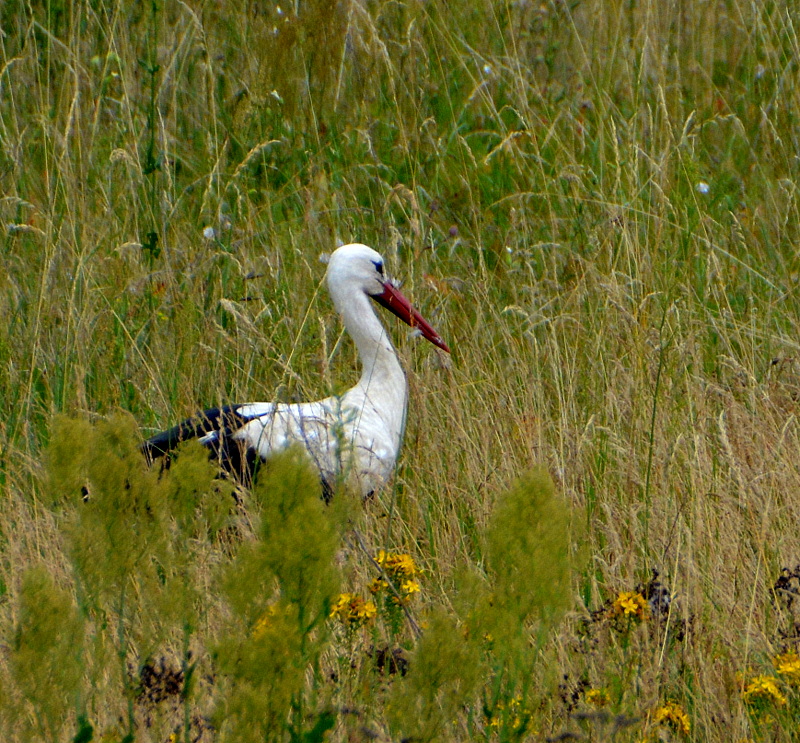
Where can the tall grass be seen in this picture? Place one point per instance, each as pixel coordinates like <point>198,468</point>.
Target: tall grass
<point>596,205</point>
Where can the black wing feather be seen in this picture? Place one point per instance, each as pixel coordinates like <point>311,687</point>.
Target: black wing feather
<point>233,456</point>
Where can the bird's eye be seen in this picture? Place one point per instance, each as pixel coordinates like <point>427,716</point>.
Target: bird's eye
<point>378,267</point>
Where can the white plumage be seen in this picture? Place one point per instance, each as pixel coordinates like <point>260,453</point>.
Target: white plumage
<point>357,434</point>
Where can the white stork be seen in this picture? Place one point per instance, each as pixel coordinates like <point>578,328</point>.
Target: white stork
<point>357,434</point>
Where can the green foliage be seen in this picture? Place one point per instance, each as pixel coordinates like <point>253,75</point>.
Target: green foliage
<point>46,663</point>
<point>529,560</point>
<point>296,541</point>
<point>133,543</point>
<point>445,674</point>
<point>512,613</point>
<point>280,588</point>
<point>526,591</point>
<point>120,534</point>
<point>265,666</point>
<point>69,450</point>
<point>198,501</point>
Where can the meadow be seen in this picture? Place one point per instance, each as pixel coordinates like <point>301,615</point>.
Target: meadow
<point>592,533</point>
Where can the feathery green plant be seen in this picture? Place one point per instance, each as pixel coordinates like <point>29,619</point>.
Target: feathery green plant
<point>132,543</point>
<point>46,689</point>
<point>507,619</point>
<point>529,559</point>
<point>530,572</point>
<point>280,588</point>
<point>444,676</point>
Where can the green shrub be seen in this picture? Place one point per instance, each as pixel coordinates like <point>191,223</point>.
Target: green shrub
<point>45,693</point>
<point>280,589</point>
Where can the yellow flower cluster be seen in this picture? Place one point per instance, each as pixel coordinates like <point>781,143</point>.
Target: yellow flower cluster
<point>402,572</point>
<point>515,709</point>
<point>672,714</point>
<point>631,603</point>
<point>788,667</point>
<point>763,689</point>
<point>597,698</point>
<point>393,562</point>
<point>263,622</point>
<point>353,610</point>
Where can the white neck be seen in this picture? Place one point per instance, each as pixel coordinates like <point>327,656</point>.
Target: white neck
<point>378,357</point>
<point>379,399</point>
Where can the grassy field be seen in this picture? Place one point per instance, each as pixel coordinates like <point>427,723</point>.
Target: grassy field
<point>595,204</point>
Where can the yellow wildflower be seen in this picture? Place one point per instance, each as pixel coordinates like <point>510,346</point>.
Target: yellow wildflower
<point>496,720</point>
<point>408,587</point>
<point>515,713</point>
<point>260,627</point>
<point>341,603</point>
<point>763,689</point>
<point>597,697</point>
<point>399,570</point>
<point>788,667</point>
<point>396,564</point>
<point>353,610</point>
<point>405,565</point>
<point>377,585</point>
<point>262,623</point>
<point>367,611</point>
<point>631,603</point>
<point>672,714</point>
<point>406,590</point>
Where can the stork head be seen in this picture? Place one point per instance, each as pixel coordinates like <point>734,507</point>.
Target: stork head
<point>357,267</point>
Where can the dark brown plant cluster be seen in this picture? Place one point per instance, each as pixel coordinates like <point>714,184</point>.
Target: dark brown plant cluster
<point>390,661</point>
<point>158,682</point>
<point>160,693</point>
<point>651,603</point>
<point>386,660</point>
<point>572,691</point>
<point>785,598</point>
<point>663,608</point>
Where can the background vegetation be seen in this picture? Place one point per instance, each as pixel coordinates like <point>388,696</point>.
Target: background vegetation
<point>595,203</point>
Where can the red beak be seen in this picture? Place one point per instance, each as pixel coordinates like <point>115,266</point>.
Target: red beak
<point>394,301</point>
